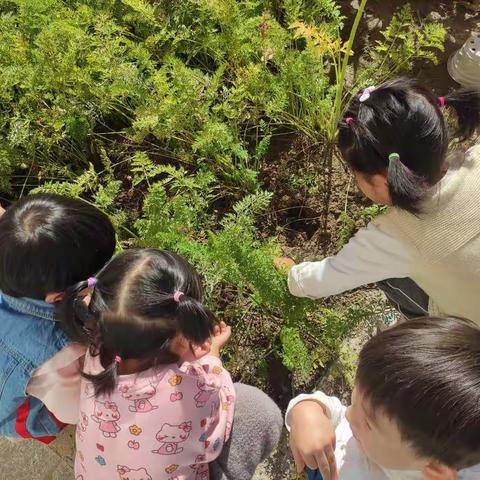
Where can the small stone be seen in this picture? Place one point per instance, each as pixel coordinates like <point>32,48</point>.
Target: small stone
<point>374,23</point>
<point>450,39</point>
<point>434,17</point>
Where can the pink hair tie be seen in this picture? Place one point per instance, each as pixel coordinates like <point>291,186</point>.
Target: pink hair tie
<point>177,296</point>
<point>441,101</point>
<point>92,282</point>
<point>117,359</point>
<point>349,120</point>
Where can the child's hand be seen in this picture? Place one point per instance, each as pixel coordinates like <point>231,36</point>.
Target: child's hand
<point>221,334</point>
<point>283,264</point>
<point>312,439</point>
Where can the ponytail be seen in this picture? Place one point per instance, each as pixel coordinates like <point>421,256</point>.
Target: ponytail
<point>74,314</point>
<point>195,321</point>
<point>104,382</point>
<point>405,187</point>
<point>466,104</point>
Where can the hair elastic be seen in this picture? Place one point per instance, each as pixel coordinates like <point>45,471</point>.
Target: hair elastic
<point>92,282</point>
<point>365,95</point>
<point>441,101</point>
<point>349,120</point>
<point>177,295</point>
<point>394,157</point>
<point>117,359</point>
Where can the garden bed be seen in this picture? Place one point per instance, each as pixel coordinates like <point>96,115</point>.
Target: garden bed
<point>208,127</point>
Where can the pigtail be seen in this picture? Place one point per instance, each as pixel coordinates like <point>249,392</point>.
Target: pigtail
<point>74,314</point>
<point>406,188</point>
<point>105,382</point>
<point>195,321</point>
<point>466,104</point>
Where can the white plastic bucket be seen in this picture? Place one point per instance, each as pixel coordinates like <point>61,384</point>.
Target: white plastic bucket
<point>464,64</point>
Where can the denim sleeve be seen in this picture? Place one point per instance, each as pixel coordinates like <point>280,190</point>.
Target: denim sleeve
<point>22,416</point>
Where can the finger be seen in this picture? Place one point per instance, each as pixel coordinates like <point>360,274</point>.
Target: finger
<point>216,329</point>
<point>297,457</point>
<point>330,455</point>
<point>323,466</point>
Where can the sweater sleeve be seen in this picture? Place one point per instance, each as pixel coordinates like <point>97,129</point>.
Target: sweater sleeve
<point>57,383</point>
<point>370,256</point>
<point>334,409</point>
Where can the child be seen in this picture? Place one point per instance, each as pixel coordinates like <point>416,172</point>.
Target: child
<point>414,412</point>
<point>48,243</point>
<point>394,139</point>
<point>156,402</point>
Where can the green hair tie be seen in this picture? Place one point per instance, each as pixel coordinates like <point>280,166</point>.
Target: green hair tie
<point>394,157</point>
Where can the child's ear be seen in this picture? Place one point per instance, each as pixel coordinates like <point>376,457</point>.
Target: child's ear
<point>439,471</point>
<point>54,297</point>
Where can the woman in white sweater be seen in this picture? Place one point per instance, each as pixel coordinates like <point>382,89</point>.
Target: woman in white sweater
<point>425,251</point>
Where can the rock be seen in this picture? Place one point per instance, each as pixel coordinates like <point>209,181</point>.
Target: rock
<point>374,23</point>
<point>450,39</point>
<point>434,17</point>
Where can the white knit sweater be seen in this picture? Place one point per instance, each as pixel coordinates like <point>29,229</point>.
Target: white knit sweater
<point>439,249</point>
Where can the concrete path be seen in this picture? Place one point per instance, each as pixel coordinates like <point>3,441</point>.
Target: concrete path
<point>31,460</point>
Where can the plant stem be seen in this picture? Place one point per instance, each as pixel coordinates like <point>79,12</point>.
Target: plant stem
<point>341,80</point>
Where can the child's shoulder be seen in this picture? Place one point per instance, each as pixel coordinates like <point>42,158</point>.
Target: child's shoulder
<point>29,324</point>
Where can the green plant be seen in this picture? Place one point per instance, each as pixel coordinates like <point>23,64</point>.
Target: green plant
<point>166,115</point>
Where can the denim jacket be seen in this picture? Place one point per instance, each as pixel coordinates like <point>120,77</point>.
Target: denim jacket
<point>29,336</point>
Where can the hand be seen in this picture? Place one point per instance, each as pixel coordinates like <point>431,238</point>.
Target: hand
<point>221,334</point>
<point>283,264</point>
<point>312,439</point>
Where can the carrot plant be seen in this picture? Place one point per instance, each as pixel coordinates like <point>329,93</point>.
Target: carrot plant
<point>165,115</point>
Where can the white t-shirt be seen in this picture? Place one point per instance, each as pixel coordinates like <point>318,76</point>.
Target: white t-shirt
<point>352,463</point>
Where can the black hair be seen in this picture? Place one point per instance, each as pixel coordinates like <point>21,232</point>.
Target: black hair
<point>425,375</point>
<point>402,116</point>
<point>50,242</point>
<point>133,312</point>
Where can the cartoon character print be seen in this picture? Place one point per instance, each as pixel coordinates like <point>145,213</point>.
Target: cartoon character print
<point>208,424</point>
<point>127,473</point>
<point>106,414</point>
<point>140,395</point>
<point>170,436</point>
<point>201,471</point>
<point>207,390</point>
<point>82,426</point>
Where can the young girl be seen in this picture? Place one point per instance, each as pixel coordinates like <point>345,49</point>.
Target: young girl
<point>394,139</point>
<point>415,411</point>
<point>156,402</point>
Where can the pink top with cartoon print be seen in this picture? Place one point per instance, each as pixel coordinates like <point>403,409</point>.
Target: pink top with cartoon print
<point>164,424</point>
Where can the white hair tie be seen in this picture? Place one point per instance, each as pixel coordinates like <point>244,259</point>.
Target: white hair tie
<point>366,93</point>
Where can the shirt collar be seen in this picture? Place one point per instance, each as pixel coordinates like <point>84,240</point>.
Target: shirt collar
<point>29,306</point>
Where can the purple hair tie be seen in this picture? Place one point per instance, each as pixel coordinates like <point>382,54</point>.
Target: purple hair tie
<point>441,101</point>
<point>177,296</point>
<point>92,282</point>
<point>117,359</point>
<point>349,120</point>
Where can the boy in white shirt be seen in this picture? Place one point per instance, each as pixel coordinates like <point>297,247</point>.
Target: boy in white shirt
<point>415,411</point>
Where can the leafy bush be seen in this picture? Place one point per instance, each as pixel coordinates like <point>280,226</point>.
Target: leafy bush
<point>163,113</point>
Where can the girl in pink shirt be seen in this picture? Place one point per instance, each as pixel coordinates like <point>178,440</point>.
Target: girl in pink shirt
<point>156,402</point>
